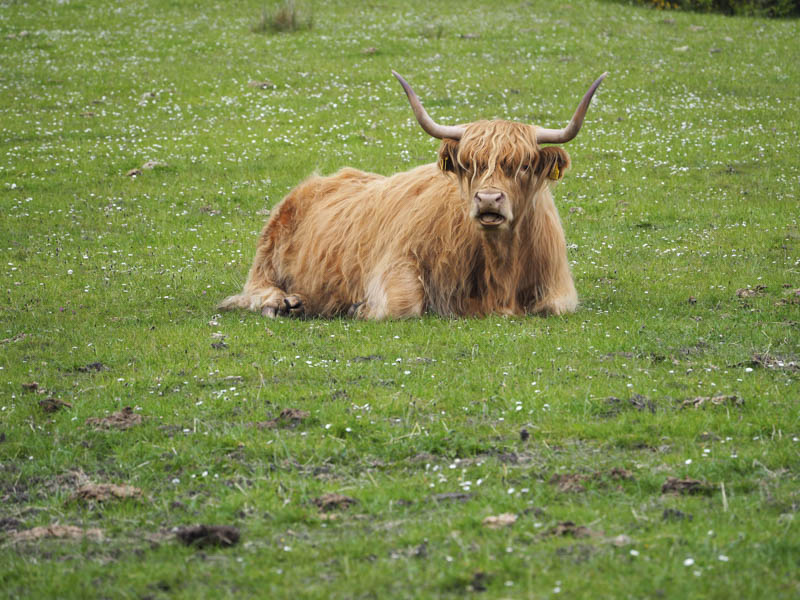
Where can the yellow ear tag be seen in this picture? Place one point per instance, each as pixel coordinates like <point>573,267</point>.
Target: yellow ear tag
<point>555,174</point>
<point>443,164</point>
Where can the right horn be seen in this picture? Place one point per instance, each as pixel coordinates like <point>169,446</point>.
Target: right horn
<point>561,136</point>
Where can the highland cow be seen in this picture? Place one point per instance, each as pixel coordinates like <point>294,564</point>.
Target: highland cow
<point>476,234</point>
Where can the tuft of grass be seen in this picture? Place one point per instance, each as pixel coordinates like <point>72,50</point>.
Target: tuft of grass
<point>286,17</point>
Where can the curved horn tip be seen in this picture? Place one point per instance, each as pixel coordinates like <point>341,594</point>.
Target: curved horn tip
<point>400,78</point>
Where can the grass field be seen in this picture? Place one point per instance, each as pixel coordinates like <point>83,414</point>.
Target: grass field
<point>647,446</point>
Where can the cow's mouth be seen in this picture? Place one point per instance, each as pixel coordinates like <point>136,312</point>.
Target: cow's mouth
<point>491,219</point>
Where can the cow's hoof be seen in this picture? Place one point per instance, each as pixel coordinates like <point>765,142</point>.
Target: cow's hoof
<point>292,306</point>
<point>355,309</point>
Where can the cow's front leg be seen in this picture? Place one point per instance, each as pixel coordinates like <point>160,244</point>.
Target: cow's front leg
<point>394,293</point>
<point>561,300</point>
<point>270,301</point>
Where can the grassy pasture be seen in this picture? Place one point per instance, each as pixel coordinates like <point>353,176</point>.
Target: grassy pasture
<point>681,211</point>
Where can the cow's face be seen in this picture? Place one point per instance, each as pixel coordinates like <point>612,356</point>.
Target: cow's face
<point>500,168</point>
<point>499,164</point>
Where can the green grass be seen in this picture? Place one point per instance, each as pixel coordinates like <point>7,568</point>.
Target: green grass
<point>684,186</point>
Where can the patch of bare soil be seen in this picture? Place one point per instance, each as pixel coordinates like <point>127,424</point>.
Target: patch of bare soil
<point>62,532</point>
<point>568,528</point>
<point>676,486</point>
<point>203,536</point>
<point>329,502</point>
<point>289,417</point>
<point>103,492</point>
<point>123,419</point>
<point>719,400</point>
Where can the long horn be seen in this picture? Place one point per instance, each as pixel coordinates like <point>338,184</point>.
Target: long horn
<point>561,136</point>
<point>431,128</point>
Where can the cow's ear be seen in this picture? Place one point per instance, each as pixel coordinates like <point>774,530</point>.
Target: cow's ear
<point>448,152</point>
<point>552,162</point>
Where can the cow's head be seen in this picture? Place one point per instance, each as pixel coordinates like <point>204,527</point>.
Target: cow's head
<point>500,164</point>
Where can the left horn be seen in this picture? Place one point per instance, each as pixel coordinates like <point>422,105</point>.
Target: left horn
<point>562,136</point>
<point>429,125</point>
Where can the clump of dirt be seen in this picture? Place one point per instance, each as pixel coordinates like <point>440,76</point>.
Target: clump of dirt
<point>673,514</point>
<point>63,532</point>
<point>9,524</point>
<point>676,486</point>
<point>478,582</point>
<point>452,496</point>
<point>329,502</point>
<point>569,482</point>
<point>123,419</point>
<point>94,367</point>
<point>749,292</point>
<point>203,536</point>
<point>640,402</point>
<point>289,417</point>
<point>103,492</point>
<point>573,482</point>
<point>500,521</point>
<point>51,405</point>
<point>366,358</point>
<point>620,473</point>
<point>719,400</point>
<point>767,361</point>
<point>568,528</point>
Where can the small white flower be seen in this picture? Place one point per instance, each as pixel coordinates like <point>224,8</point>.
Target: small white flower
<point>688,562</point>
<point>634,553</point>
<point>723,558</point>
<point>688,461</point>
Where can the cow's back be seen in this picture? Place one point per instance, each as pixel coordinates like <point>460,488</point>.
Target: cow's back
<point>348,226</point>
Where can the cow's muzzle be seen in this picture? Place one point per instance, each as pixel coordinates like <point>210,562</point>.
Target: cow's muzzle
<point>490,208</point>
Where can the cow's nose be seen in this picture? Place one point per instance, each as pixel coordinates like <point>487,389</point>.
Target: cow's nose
<point>489,198</point>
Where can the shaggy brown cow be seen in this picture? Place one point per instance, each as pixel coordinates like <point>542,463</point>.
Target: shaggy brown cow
<point>476,234</point>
